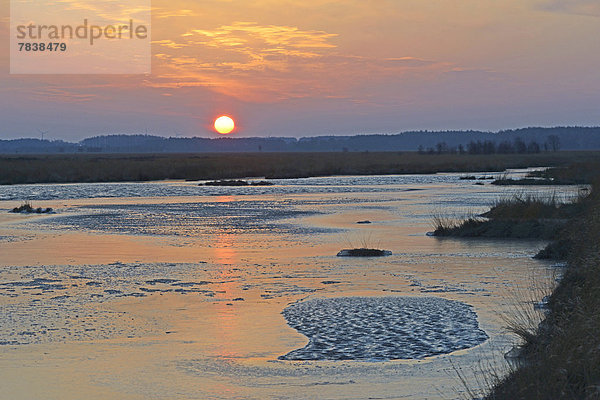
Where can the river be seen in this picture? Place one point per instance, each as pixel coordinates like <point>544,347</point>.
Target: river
<point>173,290</point>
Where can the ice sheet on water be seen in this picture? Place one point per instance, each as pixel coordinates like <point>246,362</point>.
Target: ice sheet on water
<point>57,303</point>
<point>382,328</point>
<point>9,239</point>
<point>332,184</point>
<point>186,219</point>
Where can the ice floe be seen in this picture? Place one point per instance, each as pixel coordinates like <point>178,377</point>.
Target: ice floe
<point>382,328</point>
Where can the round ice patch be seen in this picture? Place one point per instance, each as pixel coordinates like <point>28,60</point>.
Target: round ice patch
<point>382,328</point>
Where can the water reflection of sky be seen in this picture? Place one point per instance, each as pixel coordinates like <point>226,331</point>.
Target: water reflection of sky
<point>218,266</point>
<point>334,184</point>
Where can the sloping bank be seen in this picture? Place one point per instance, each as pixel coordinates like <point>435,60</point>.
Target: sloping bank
<point>562,360</point>
<point>561,357</point>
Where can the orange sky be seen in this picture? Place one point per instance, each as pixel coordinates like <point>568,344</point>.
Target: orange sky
<point>315,67</point>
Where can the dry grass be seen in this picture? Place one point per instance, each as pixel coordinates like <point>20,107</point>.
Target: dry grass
<point>118,168</point>
<point>560,346</point>
<point>523,206</point>
<point>580,172</point>
<point>361,241</point>
<point>476,382</point>
<point>445,223</point>
<point>518,216</point>
<point>562,355</point>
<point>529,308</point>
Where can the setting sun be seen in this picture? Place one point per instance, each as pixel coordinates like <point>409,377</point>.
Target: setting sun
<point>224,125</point>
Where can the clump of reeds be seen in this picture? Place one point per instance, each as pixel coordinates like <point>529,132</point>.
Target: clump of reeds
<point>442,223</point>
<point>364,247</point>
<point>27,208</point>
<point>517,216</point>
<point>530,206</point>
<point>449,226</point>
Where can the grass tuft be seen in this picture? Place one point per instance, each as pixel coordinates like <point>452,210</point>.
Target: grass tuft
<point>28,209</point>
<point>518,216</point>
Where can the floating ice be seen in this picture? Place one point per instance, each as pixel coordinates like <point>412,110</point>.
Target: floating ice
<point>332,184</point>
<point>382,328</point>
<point>184,219</point>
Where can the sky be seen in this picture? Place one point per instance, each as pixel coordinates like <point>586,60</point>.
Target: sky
<point>327,67</point>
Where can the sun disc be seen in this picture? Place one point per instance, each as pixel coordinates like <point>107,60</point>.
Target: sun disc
<point>224,125</point>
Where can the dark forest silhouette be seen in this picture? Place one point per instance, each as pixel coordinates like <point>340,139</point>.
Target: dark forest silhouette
<point>526,140</point>
<point>516,146</point>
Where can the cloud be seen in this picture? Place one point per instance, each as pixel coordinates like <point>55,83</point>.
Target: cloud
<point>578,7</point>
<point>61,95</point>
<point>268,63</point>
<point>244,33</point>
<point>170,43</point>
<point>162,13</point>
<point>109,11</point>
<point>409,61</point>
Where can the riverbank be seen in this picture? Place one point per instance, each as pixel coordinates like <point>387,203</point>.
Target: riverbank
<point>577,173</point>
<point>560,357</point>
<point>77,168</point>
<point>518,217</point>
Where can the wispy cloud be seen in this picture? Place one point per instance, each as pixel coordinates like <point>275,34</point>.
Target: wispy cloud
<point>580,7</point>
<point>162,13</point>
<point>169,43</point>
<point>61,95</point>
<point>107,10</point>
<point>269,62</point>
<point>245,33</point>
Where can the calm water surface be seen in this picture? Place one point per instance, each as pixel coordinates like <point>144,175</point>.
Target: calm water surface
<point>170,290</point>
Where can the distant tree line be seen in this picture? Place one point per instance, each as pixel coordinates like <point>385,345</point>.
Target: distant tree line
<point>474,142</point>
<point>516,146</point>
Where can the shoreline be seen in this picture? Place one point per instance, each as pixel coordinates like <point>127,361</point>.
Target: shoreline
<point>559,357</point>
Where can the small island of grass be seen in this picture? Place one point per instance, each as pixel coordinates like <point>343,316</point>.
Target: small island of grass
<point>26,208</point>
<point>237,182</point>
<point>519,217</point>
<point>363,252</point>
